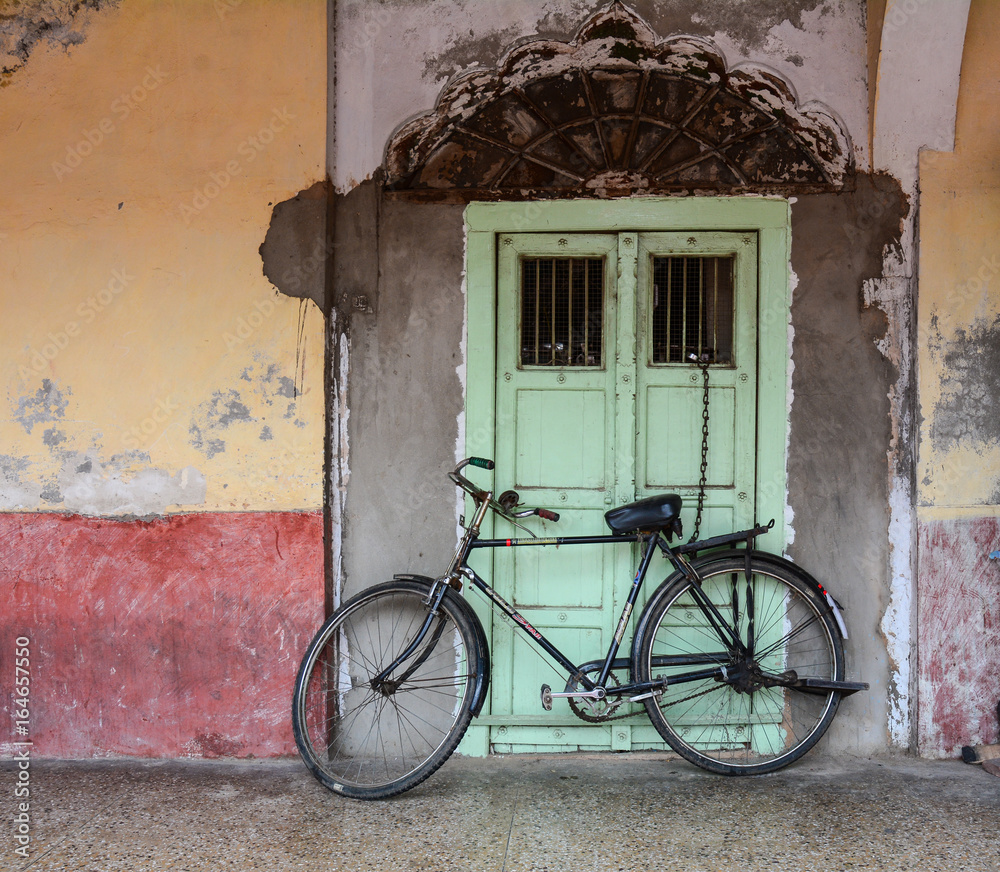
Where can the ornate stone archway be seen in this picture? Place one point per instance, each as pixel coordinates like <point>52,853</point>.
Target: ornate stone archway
<point>616,111</point>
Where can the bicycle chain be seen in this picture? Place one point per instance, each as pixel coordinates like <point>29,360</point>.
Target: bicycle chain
<point>601,719</point>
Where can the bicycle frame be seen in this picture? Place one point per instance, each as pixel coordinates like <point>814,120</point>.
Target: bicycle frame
<point>470,541</point>
<point>652,540</point>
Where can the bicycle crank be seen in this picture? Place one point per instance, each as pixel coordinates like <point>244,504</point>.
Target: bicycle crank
<point>597,693</point>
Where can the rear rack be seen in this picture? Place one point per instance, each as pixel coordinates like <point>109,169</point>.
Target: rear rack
<point>719,541</point>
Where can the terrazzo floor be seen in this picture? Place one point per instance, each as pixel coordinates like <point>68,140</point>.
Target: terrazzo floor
<point>506,814</point>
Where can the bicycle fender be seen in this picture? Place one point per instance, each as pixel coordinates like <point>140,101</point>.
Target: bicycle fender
<point>482,684</point>
<point>777,560</point>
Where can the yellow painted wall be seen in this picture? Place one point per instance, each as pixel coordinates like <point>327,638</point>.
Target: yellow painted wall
<point>959,301</point>
<point>141,342</point>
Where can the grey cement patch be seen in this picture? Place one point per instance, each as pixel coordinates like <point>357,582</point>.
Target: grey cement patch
<point>968,411</point>
<point>838,469</point>
<point>295,249</point>
<point>46,405</point>
<point>405,395</point>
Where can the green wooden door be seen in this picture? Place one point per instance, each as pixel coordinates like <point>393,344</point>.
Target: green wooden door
<point>597,404</point>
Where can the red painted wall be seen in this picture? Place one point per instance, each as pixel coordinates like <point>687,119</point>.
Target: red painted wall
<point>958,592</point>
<point>166,638</point>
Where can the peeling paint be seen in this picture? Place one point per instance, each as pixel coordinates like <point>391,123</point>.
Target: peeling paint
<point>233,411</point>
<point>89,485</point>
<point>968,410</point>
<point>617,111</point>
<point>16,490</point>
<point>46,405</point>
<point>33,22</point>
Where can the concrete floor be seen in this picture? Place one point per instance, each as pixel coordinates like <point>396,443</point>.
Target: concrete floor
<point>567,812</point>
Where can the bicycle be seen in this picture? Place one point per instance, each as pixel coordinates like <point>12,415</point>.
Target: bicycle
<point>737,656</point>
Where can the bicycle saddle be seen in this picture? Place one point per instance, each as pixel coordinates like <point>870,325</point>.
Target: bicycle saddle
<point>661,512</point>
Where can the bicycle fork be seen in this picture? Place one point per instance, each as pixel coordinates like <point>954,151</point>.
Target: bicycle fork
<point>381,682</point>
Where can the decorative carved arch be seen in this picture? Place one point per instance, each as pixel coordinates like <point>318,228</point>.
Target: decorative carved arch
<point>616,112</point>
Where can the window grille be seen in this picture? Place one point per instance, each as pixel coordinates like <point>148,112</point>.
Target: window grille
<point>692,312</point>
<point>562,311</point>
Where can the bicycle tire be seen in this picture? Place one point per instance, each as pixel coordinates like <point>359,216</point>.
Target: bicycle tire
<point>369,742</point>
<point>730,726</point>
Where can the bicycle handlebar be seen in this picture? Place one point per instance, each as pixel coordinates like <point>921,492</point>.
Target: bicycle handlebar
<point>478,494</point>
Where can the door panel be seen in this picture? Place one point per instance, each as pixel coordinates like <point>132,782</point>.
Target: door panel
<point>557,316</point>
<point>698,296</point>
<point>598,404</point>
<point>573,459</point>
<point>673,447</point>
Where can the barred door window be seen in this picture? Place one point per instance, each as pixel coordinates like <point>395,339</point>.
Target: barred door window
<point>562,311</point>
<point>692,310</point>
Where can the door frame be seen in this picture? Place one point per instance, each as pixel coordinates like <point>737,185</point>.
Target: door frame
<point>769,218</point>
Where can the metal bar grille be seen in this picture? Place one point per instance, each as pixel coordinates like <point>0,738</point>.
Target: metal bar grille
<point>692,313</point>
<point>562,311</point>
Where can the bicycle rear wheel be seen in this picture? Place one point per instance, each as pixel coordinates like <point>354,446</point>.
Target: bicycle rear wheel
<point>368,738</point>
<point>739,721</point>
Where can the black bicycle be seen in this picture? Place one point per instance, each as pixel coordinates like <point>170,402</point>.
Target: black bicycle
<point>737,656</point>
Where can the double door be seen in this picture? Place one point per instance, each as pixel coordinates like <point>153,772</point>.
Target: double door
<point>602,340</point>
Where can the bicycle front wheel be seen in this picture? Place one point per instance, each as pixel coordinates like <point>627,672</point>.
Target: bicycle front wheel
<point>742,716</point>
<point>367,735</point>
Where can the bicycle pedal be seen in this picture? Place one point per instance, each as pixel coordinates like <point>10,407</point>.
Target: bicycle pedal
<point>546,697</point>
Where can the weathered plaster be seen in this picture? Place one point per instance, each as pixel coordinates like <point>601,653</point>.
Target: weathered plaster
<point>968,409</point>
<point>135,286</point>
<point>920,60</point>
<point>959,613</point>
<point>614,112</point>
<point>893,295</point>
<point>173,637</point>
<point>838,464</point>
<point>429,42</point>
<point>27,24</point>
<point>958,486</point>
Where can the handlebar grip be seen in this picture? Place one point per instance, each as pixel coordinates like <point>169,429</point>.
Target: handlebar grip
<point>545,514</point>
<point>481,462</point>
